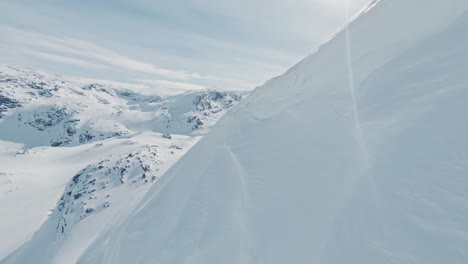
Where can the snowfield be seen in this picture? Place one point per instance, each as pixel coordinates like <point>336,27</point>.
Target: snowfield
<point>358,154</point>
<point>39,186</point>
<point>75,158</point>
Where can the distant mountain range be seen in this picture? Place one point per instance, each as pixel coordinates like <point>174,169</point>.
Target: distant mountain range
<point>122,141</point>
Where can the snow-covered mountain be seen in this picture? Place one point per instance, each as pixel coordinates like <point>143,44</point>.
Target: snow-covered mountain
<point>54,112</point>
<point>89,190</point>
<point>358,154</point>
<point>76,156</point>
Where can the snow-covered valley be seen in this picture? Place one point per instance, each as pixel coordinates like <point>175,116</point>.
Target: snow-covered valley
<point>74,158</point>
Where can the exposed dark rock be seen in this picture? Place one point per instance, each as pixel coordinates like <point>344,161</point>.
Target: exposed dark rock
<point>7,104</point>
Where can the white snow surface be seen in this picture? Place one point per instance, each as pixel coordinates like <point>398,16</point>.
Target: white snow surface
<point>358,154</point>
<point>41,188</point>
<point>75,158</point>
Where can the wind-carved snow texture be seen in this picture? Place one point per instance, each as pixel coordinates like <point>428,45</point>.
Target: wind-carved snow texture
<point>89,190</point>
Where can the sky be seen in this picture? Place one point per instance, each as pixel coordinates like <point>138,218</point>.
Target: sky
<point>164,44</point>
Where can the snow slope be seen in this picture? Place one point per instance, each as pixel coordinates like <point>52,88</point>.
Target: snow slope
<point>358,154</point>
<point>75,158</point>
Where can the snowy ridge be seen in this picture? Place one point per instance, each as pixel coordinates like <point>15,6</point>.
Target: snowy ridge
<point>89,190</point>
<point>44,110</point>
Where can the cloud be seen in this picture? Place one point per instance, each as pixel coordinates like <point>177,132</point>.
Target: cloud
<point>165,84</point>
<point>59,58</point>
<point>145,86</point>
<point>89,56</point>
<point>208,43</point>
<point>76,51</point>
<point>270,20</point>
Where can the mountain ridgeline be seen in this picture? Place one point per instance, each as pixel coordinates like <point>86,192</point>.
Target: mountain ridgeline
<point>45,110</point>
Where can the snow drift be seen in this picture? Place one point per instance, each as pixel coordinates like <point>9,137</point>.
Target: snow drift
<point>358,154</point>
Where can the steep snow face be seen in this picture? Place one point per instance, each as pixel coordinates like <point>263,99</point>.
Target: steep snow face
<point>44,110</point>
<point>356,155</point>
